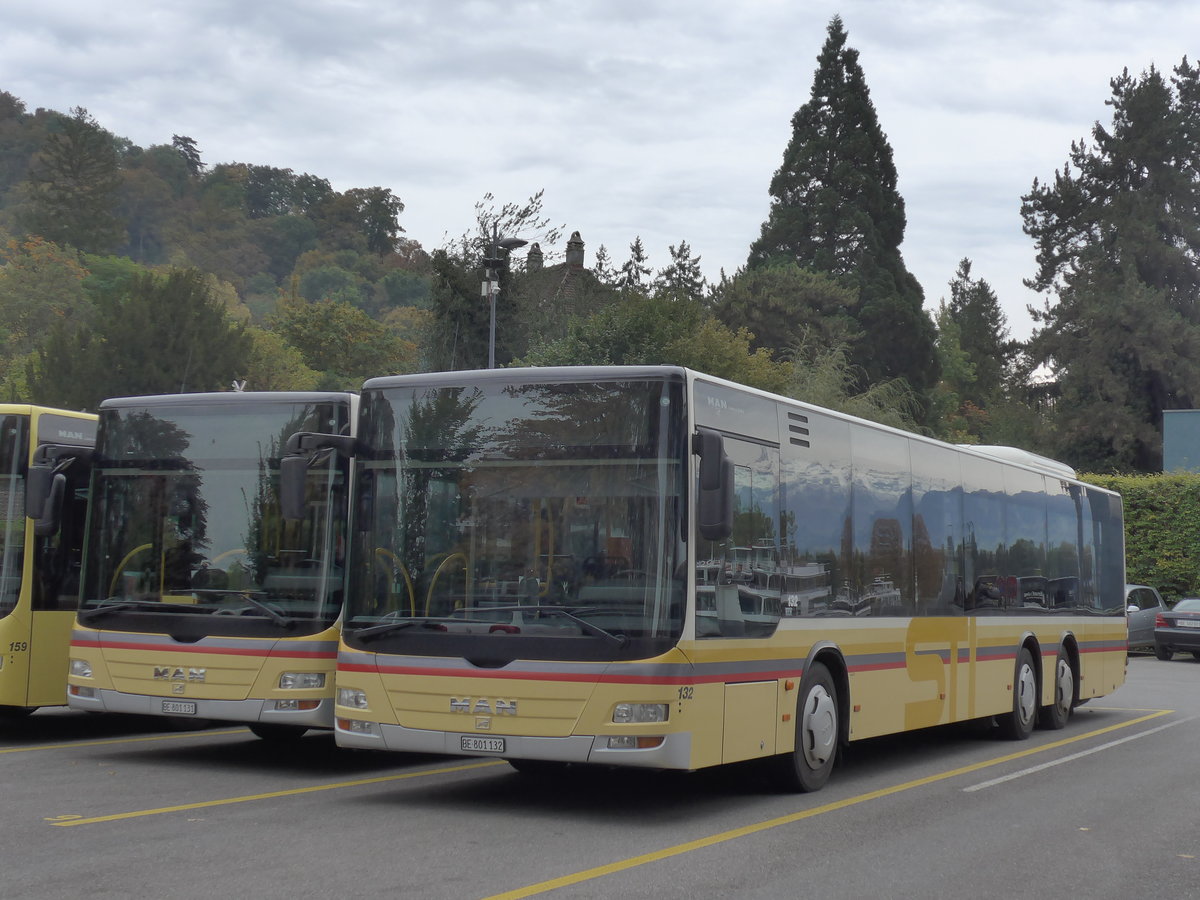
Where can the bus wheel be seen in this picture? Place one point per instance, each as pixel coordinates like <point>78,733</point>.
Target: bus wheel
<point>277,733</point>
<point>807,768</point>
<point>1018,724</point>
<point>1056,714</point>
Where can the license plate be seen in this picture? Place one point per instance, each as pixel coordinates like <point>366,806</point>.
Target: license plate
<point>179,707</point>
<point>1189,623</point>
<point>471,744</point>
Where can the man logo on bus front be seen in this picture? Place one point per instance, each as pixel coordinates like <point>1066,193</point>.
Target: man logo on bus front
<point>483,707</point>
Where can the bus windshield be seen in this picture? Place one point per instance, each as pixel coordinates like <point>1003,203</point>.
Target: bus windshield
<point>503,520</point>
<point>185,519</point>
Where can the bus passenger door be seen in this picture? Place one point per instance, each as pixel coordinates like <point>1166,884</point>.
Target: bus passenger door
<point>738,590</point>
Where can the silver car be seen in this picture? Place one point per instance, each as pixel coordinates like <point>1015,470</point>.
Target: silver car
<point>1143,604</point>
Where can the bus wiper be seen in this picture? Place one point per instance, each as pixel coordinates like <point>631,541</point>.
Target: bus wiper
<point>384,627</point>
<point>116,604</point>
<point>249,597</point>
<point>588,628</point>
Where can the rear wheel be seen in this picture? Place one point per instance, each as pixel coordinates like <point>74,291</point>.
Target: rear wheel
<point>807,767</point>
<point>270,731</point>
<point>1056,714</point>
<point>1018,724</point>
<point>1162,652</point>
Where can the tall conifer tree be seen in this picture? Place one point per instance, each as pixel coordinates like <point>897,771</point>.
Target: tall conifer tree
<point>835,209</point>
<point>1118,241</point>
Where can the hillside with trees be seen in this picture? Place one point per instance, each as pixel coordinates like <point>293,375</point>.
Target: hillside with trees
<point>129,270</point>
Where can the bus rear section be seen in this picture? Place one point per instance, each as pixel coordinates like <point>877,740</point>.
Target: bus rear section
<point>45,457</point>
<point>200,599</point>
<point>649,567</point>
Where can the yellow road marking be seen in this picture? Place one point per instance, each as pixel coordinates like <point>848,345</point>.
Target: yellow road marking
<point>290,792</point>
<point>68,745</point>
<point>735,833</point>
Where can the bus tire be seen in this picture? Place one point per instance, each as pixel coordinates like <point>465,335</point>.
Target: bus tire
<point>1055,715</point>
<point>818,729</point>
<point>280,734</point>
<point>1018,724</point>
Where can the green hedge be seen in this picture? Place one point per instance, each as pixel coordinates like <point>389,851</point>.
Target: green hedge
<point>1162,530</point>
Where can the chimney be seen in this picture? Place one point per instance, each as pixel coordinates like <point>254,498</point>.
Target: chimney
<point>575,251</point>
<point>534,258</point>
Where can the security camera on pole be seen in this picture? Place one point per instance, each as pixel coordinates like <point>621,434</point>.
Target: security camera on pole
<point>492,264</point>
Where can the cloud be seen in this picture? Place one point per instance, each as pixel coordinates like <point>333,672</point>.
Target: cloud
<point>664,120</point>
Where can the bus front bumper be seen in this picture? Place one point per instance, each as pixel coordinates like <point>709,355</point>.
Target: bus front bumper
<point>675,751</point>
<point>253,710</point>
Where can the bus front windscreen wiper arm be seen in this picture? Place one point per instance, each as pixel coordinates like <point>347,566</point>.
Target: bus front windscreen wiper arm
<point>115,604</point>
<point>249,597</point>
<point>588,628</point>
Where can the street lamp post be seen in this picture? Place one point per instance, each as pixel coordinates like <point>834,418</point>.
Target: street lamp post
<point>491,285</point>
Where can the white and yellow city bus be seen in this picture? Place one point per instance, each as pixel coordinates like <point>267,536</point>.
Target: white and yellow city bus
<point>44,461</point>
<point>199,598</point>
<point>652,567</point>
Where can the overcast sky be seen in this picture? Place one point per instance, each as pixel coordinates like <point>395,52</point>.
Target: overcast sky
<point>659,119</point>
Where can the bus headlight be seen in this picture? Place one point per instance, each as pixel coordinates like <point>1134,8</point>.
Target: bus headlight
<point>633,713</point>
<point>352,697</point>
<point>81,668</point>
<point>302,680</point>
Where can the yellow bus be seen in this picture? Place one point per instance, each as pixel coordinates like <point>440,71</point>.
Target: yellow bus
<point>44,457</point>
<point>199,599</point>
<point>652,567</point>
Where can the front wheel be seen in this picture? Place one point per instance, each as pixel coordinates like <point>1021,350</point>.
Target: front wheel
<point>1018,724</point>
<point>1162,652</point>
<point>807,767</point>
<point>1056,714</point>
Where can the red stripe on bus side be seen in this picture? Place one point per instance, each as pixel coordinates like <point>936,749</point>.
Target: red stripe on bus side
<point>574,677</point>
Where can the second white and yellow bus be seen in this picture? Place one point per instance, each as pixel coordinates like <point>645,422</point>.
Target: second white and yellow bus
<point>651,567</point>
<point>45,457</point>
<point>199,598</point>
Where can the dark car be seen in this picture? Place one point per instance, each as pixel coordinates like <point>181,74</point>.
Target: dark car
<point>1143,605</point>
<point>1178,629</point>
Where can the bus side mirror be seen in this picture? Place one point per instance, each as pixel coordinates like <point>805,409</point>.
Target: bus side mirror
<point>293,472</point>
<point>301,449</point>
<point>715,502</point>
<point>50,518</point>
<point>37,489</point>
